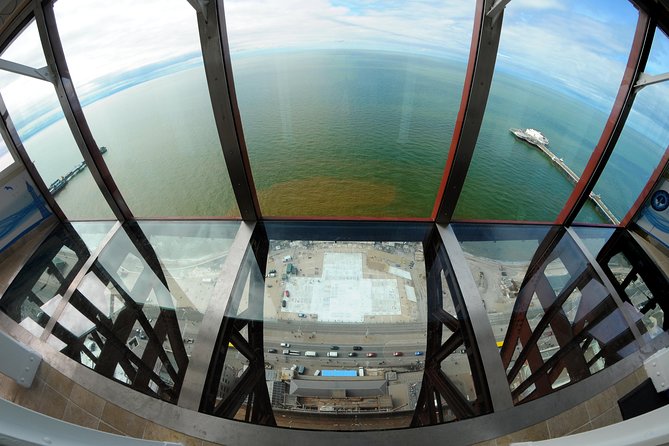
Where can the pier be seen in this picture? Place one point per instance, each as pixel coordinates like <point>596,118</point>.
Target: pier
<point>572,176</point>
<point>61,182</point>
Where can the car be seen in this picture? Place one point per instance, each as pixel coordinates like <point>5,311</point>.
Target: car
<point>271,350</point>
<point>334,347</point>
<point>286,293</point>
<point>352,354</point>
<point>301,315</point>
<point>283,303</point>
<point>357,347</point>
<point>418,353</point>
<point>285,344</point>
<point>371,354</point>
<point>397,354</point>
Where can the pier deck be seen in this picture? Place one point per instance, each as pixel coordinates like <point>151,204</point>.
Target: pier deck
<point>573,177</point>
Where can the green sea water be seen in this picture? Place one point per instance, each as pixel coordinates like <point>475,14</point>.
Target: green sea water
<point>334,133</point>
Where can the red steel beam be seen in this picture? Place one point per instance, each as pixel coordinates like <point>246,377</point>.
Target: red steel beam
<point>478,79</point>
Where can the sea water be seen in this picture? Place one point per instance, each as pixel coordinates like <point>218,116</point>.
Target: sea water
<point>345,133</point>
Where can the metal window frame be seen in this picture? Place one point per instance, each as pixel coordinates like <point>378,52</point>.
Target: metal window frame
<point>498,386</point>
<point>11,136</point>
<point>69,102</point>
<point>218,70</point>
<point>196,375</point>
<point>211,21</point>
<point>215,49</point>
<point>478,80</point>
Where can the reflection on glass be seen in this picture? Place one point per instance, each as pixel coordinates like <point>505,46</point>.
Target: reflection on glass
<point>642,144</point>
<point>92,232</point>
<point>39,120</point>
<point>342,329</point>
<point>498,257</point>
<point>35,294</point>
<point>563,324</point>
<point>135,315</point>
<point>145,97</point>
<point>344,115</point>
<point>558,71</point>
<point>451,359</point>
<point>638,282</point>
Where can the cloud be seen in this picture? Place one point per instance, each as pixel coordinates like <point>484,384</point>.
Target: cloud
<point>101,37</point>
<point>565,44</point>
<point>658,61</point>
<point>26,49</point>
<point>540,4</point>
<point>568,51</point>
<point>441,27</point>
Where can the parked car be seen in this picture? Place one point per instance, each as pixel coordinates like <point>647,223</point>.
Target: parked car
<point>418,353</point>
<point>286,293</point>
<point>301,315</point>
<point>285,344</point>
<point>271,350</point>
<point>334,347</point>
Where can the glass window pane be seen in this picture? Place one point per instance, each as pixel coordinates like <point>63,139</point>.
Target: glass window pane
<point>45,134</point>
<point>136,315</point>
<point>26,49</point>
<point>498,257</point>
<point>558,70</point>
<point>92,232</point>
<point>343,329</point>
<point>345,115</point>
<point>34,295</point>
<point>555,327</point>
<point>142,84</point>
<point>636,277</point>
<point>642,144</point>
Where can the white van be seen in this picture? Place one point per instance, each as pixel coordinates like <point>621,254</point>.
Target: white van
<point>333,354</point>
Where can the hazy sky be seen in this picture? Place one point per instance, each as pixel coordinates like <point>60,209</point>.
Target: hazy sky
<point>576,46</point>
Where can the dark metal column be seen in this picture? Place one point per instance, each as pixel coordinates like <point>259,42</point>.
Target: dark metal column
<point>217,65</point>
<point>196,375</point>
<point>480,69</point>
<point>498,386</point>
<point>67,96</point>
<point>636,63</point>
